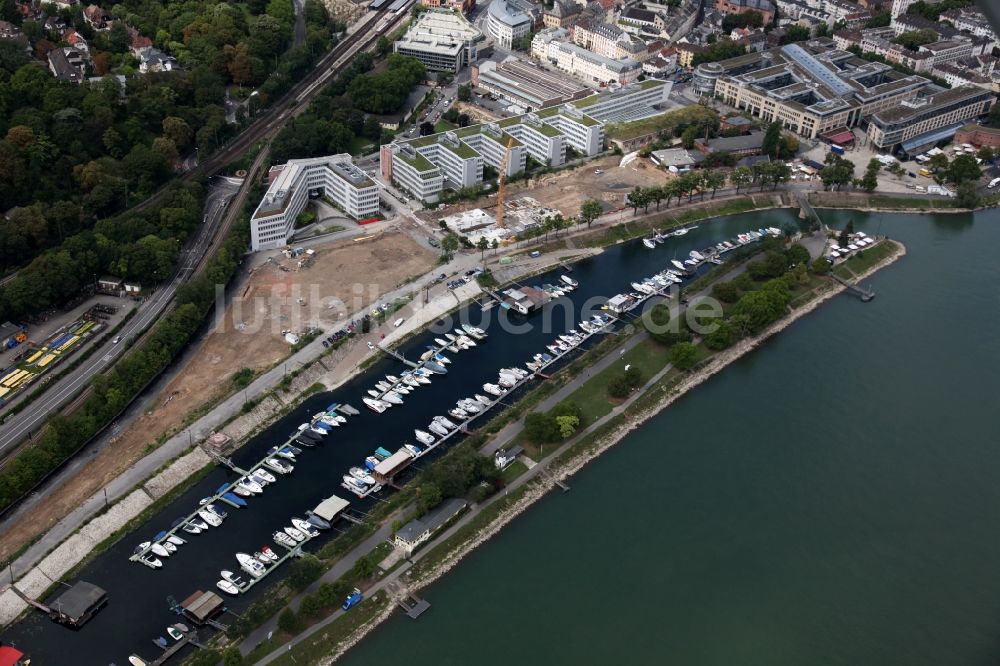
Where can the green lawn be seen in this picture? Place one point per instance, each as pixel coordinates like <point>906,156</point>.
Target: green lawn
<point>514,470</point>
<point>865,259</point>
<point>444,126</point>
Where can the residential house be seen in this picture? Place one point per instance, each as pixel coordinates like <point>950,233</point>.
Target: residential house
<point>69,64</point>
<point>504,458</point>
<point>153,59</point>
<point>562,14</point>
<point>76,40</point>
<point>686,53</point>
<point>420,530</point>
<point>10,31</point>
<point>137,42</point>
<point>97,18</point>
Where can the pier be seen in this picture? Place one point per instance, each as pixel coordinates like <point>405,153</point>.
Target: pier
<point>396,355</point>
<point>864,294</point>
<point>140,555</point>
<point>413,606</point>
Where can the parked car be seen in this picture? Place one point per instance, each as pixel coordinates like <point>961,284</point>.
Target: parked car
<point>433,242</point>
<point>353,599</point>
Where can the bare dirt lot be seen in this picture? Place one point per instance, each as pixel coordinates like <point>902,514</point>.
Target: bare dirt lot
<point>566,190</point>
<point>352,272</point>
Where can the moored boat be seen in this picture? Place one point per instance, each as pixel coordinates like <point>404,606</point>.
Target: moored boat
<point>249,564</point>
<point>227,587</point>
<point>423,437</point>
<point>649,242</point>
<point>377,406</point>
<point>445,422</point>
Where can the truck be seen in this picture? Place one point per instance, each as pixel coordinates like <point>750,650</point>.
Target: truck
<point>352,600</point>
<point>837,150</point>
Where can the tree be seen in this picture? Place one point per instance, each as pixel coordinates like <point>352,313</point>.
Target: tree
<point>844,238</point>
<point>483,245</point>
<point>964,168</point>
<point>916,38</point>
<point>633,376</point>
<point>541,427</point>
<point>938,161</point>
<point>618,387</point>
<point>177,130</point>
<point>771,142</point>
<point>494,244</point>
<point>683,355</point>
<point>428,497</point>
<point>797,255</point>
<point>713,180</point>
<point>464,93</point>
<point>723,335</point>
<point>870,180</point>
<point>303,571</point>
<point>590,210</point>
<point>741,176</point>
<point>383,46</point>
<point>986,153</point>
<point>449,245</point>
<point>726,291</point>
<point>567,425</point>
<point>288,622</point>
<point>637,197</point>
<point>966,195</point>
<point>837,172</point>
<point>689,136</point>
<point>794,33</point>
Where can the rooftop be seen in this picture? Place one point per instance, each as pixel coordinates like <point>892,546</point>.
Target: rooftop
<point>78,600</point>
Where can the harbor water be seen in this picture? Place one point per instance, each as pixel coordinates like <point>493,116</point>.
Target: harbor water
<point>830,499</point>
<point>140,598</point>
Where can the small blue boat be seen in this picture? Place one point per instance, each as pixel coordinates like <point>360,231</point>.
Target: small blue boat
<point>323,426</point>
<point>436,368</point>
<point>235,499</point>
<point>382,453</point>
<point>160,536</point>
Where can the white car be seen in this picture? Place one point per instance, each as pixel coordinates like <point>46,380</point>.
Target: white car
<point>994,183</point>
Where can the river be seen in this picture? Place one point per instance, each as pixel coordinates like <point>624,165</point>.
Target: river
<point>139,598</point>
<point>832,498</point>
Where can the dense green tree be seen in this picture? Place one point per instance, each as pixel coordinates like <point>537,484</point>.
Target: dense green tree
<point>870,180</point>
<point>795,33</point>
<point>590,210</point>
<point>741,176</point>
<point>771,142</point>
<point>683,355</point>
<point>966,195</point>
<point>964,168</point>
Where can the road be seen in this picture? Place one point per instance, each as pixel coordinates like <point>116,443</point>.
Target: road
<point>60,392</point>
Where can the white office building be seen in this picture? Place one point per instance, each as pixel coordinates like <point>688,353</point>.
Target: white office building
<point>334,177</point>
<point>509,20</point>
<point>441,39</point>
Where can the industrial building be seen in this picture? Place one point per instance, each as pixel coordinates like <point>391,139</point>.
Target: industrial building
<point>333,176</point>
<point>526,84</point>
<point>442,39</point>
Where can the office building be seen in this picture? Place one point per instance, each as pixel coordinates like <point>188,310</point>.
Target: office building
<point>918,124</point>
<point>441,39</point>
<point>334,177</point>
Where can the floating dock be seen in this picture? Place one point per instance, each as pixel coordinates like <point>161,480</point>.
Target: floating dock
<point>414,606</point>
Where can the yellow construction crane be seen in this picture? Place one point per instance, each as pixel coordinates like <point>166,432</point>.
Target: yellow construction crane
<point>500,182</point>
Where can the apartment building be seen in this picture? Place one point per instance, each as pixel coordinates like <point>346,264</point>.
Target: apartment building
<point>443,40</point>
<point>334,177</point>
<point>919,123</point>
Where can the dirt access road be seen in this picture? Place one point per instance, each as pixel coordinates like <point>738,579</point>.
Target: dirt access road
<point>353,272</point>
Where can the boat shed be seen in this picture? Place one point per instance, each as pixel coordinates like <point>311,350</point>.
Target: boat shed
<point>330,507</point>
<point>77,604</point>
<point>393,465</point>
<point>201,607</point>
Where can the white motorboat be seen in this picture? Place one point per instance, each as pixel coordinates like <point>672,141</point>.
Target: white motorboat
<point>362,476</point>
<point>169,547</point>
<point>393,398</point>
<point>160,550</point>
<point>568,280</point>
<point>424,437</point>
<point>284,539</point>
<point>262,558</point>
<point>411,381</point>
<point>508,381</point>
<point>294,533</point>
<point>152,561</point>
<point>176,540</point>
<point>249,564</point>
<point>285,452</point>
<point>421,377</point>
<point>279,466</point>
<point>440,343</point>
<point>649,242</point>
<point>458,413</point>
<point>470,406</point>
<point>392,379</point>
<point>136,660</point>
<point>209,517</point>
<point>269,554</point>
<point>441,358</point>
<point>437,428</point>
<point>305,527</point>
<point>493,389</point>
<point>374,393</point>
<point>451,336</point>
<point>174,633</point>
<point>319,431</point>
<point>190,528</point>
<point>259,474</point>
<point>697,256</point>
<point>474,331</point>
<point>445,422</point>
<point>413,450</point>
<point>377,406</point>
<point>466,340</point>
<point>383,385</point>
<point>483,400</point>
<point>402,389</point>
<point>357,485</point>
<point>251,486</point>
<point>200,524</point>
<point>230,577</point>
<point>242,492</point>
<point>678,265</point>
<point>331,421</point>
<point>227,587</point>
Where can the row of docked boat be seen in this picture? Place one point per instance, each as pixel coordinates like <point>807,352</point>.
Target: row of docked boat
<point>279,461</point>
<point>659,237</point>
<point>392,389</point>
<point>565,285</point>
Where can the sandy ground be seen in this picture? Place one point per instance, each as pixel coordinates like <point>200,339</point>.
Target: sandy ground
<point>355,273</point>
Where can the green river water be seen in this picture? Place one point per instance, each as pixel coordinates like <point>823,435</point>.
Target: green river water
<point>832,498</point>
